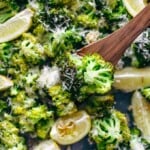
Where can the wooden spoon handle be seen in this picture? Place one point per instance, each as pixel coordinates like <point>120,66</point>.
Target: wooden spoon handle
<point>113,46</point>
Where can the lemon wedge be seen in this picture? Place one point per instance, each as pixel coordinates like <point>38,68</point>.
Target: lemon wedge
<point>70,129</point>
<point>47,145</point>
<point>141,113</point>
<point>15,26</point>
<point>5,83</point>
<point>134,6</point>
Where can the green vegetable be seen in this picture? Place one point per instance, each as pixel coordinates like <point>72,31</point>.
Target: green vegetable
<point>90,74</point>
<point>6,52</point>
<point>3,106</point>
<point>138,54</point>
<point>62,41</point>
<point>61,3</point>
<point>137,141</point>
<point>146,92</point>
<point>38,120</point>
<point>8,9</point>
<point>109,132</point>
<point>100,105</point>
<point>87,20</point>
<point>10,137</point>
<point>61,99</point>
<point>97,74</point>
<point>113,15</point>
<point>31,49</point>
<point>21,103</point>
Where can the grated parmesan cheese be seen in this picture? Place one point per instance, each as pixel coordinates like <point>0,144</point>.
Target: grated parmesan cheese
<point>49,77</point>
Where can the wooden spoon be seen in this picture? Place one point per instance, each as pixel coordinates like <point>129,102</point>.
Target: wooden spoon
<point>113,46</point>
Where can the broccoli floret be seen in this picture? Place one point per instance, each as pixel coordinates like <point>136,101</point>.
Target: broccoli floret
<point>87,20</point>
<point>110,131</point>
<point>96,73</point>
<point>21,103</point>
<point>83,76</point>
<point>87,15</point>
<point>8,8</point>
<point>43,127</point>
<point>141,54</point>
<point>66,3</point>
<point>146,93</point>
<point>31,116</point>
<point>137,142</point>
<point>61,41</point>
<point>31,121</point>
<point>60,17</point>
<point>26,81</point>
<point>18,65</point>
<point>3,106</point>
<point>50,16</point>
<point>40,33</point>
<point>6,52</point>
<point>99,105</point>
<point>61,99</point>
<point>113,13</point>
<point>138,55</point>
<point>10,136</point>
<point>31,50</point>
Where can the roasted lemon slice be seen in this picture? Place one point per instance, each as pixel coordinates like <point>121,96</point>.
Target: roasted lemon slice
<point>141,113</point>
<point>134,6</point>
<point>47,145</point>
<point>70,129</point>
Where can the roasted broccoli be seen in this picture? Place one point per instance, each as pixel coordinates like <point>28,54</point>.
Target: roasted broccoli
<point>97,74</point>
<point>37,119</point>
<point>3,106</point>
<point>87,20</point>
<point>138,55</point>
<point>113,15</point>
<point>87,15</point>
<point>50,16</point>
<point>21,103</point>
<point>18,65</point>
<point>146,93</point>
<point>10,137</point>
<point>6,52</point>
<point>110,131</point>
<point>8,8</point>
<point>90,74</point>
<point>31,49</point>
<point>61,99</point>
<point>62,41</point>
<point>137,142</point>
<point>61,3</point>
<point>30,115</point>
<point>99,105</point>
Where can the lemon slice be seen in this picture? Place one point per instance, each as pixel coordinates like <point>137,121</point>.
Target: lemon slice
<point>134,6</point>
<point>47,145</point>
<point>5,83</point>
<point>130,79</point>
<point>70,129</point>
<point>15,26</point>
<point>141,113</point>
